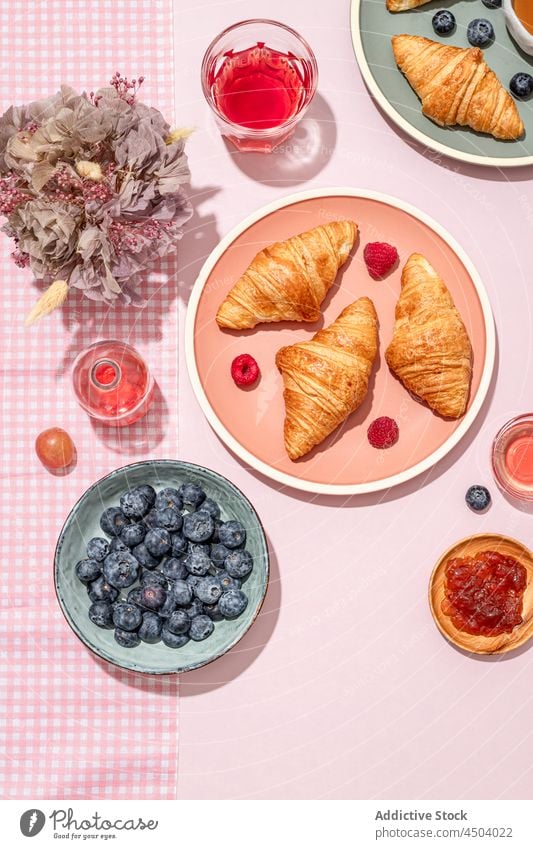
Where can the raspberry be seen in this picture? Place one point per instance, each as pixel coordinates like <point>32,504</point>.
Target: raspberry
<point>244,370</point>
<point>383,432</point>
<point>380,259</point>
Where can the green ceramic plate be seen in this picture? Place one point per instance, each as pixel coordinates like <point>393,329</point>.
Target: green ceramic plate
<point>372,28</point>
<point>83,523</point>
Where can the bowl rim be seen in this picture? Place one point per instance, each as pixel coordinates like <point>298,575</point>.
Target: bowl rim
<point>59,545</point>
<point>510,12</point>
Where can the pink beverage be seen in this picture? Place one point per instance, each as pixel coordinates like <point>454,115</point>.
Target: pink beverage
<point>512,457</point>
<point>112,383</point>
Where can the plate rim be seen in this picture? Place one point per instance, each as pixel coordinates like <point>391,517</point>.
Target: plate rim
<point>290,480</point>
<point>403,124</point>
<point>103,655</point>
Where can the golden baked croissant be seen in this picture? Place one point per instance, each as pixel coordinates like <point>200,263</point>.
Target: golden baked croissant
<point>456,86</point>
<point>430,350</point>
<point>326,378</point>
<point>288,281</point>
<point>403,5</point>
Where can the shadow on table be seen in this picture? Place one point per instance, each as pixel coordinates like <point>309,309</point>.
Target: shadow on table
<point>402,490</point>
<point>523,173</point>
<point>235,662</point>
<point>298,159</point>
<point>141,437</point>
<point>200,238</point>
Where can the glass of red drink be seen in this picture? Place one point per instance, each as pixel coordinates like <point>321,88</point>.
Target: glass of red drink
<point>112,383</point>
<point>259,77</point>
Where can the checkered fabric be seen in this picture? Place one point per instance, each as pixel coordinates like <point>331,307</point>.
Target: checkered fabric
<point>75,727</point>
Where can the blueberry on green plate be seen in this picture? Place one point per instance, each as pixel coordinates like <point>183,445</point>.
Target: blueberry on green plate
<point>492,4</point>
<point>480,32</point>
<point>150,628</point>
<point>521,85</point>
<point>443,22</point>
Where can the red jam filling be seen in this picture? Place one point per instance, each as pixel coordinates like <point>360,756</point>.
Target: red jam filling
<point>483,594</point>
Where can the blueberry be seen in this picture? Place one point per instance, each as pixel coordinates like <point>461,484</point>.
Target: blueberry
<point>218,554</point>
<point>213,611</point>
<point>143,556</point>
<point>192,494</point>
<point>127,616</point>
<point>179,622</point>
<point>443,22</point>
<point>169,497</point>
<point>168,607</point>
<point>198,527</point>
<point>134,595</point>
<point>112,521</point>
<point>153,579</point>
<point>212,508</point>
<point>97,549</point>
<point>158,542</point>
<point>88,570</point>
<point>208,590</point>
<point>150,518</point>
<point>480,32</point>
<point>148,492</point>
<point>116,544</point>
<point>173,641</point>
<point>168,518</point>
<point>179,545</point>
<point>195,608</point>
<point>101,590</point>
<point>197,562</point>
<point>232,603</point>
<point>101,614</point>
<point>227,582</point>
<point>182,592</point>
<point>478,498</point>
<point>216,536</point>
<point>232,534</point>
<point>521,86</point>
<point>133,535</point>
<point>127,639</point>
<point>120,569</point>
<point>492,4</point>
<point>239,563</point>
<point>174,569</point>
<point>134,504</point>
<point>150,628</point>
<point>153,598</point>
<point>201,627</point>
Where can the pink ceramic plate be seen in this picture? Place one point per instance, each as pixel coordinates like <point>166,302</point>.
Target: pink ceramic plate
<point>251,422</point>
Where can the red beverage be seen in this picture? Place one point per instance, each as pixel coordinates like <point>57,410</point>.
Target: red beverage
<point>259,87</point>
<point>259,77</point>
<point>112,383</point>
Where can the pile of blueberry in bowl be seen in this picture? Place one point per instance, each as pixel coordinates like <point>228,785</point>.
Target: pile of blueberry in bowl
<point>179,562</point>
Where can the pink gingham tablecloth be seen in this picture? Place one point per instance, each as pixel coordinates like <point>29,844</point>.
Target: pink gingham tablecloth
<point>72,726</point>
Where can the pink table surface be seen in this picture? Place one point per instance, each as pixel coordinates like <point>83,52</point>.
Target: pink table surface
<point>344,688</point>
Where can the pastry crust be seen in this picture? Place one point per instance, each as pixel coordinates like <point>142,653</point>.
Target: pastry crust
<point>288,281</point>
<point>326,378</point>
<point>430,351</point>
<point>456,86</point>
<point>404,5</point>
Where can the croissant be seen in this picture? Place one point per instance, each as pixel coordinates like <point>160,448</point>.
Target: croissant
<point>403,5</point>
<point>456,86</point>
<point>430,350</point>
<point>326,378</point>
<point>288,281</point>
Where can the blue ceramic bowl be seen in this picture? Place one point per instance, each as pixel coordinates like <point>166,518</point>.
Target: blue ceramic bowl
<point>83,523</point>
